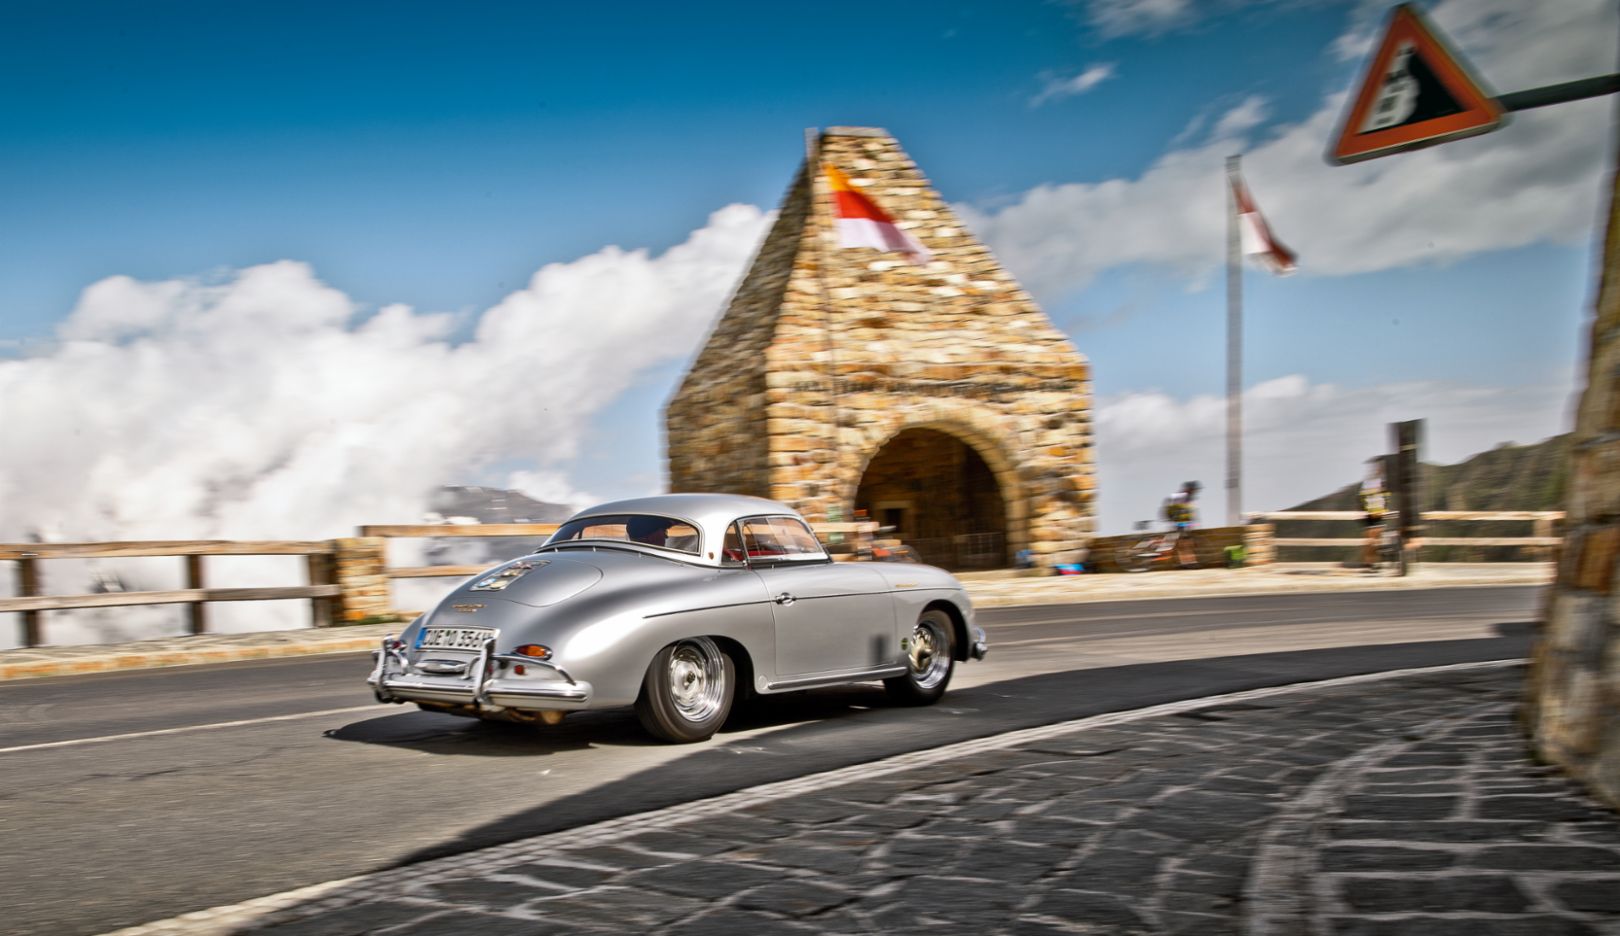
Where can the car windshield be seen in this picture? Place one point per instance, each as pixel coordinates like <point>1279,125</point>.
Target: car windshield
<point>646,529</point>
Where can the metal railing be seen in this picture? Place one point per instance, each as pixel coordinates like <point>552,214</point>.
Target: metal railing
<point>32,603</point>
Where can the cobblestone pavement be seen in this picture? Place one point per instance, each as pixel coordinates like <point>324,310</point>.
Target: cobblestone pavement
<point>1363,807</point>
<point>988,590</point>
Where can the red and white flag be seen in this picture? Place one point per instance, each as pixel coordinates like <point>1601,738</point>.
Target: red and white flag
<point>1258,241</point>
<point>861,223</point>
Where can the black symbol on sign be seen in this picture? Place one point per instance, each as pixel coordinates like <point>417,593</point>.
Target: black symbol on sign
<point>1411,93</point>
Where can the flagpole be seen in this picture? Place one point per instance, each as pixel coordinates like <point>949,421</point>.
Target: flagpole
<point>1234,350</point>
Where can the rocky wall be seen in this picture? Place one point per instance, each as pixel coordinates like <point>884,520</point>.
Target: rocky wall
<point>1573,708</point>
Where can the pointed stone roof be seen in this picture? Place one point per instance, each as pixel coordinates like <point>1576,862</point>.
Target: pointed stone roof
<point>959,310</point>
<point>824,353</point>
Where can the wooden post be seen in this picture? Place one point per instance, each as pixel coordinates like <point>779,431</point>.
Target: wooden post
<point>197,611</point>
<point>320,573</point>
<point>1542,527</point>
<point>28,587</point>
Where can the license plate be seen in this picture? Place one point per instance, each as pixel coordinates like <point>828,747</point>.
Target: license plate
<point>454,638</point>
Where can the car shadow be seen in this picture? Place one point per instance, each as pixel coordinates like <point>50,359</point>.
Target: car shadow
<point>437,733</point>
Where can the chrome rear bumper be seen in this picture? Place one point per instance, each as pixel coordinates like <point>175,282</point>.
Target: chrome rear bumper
<point>981,646</point>
<point>489,682</point>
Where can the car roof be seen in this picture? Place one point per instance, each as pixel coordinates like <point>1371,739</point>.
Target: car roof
<point>712,513</point>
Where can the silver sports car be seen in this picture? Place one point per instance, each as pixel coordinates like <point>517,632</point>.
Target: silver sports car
<point>679,605</point>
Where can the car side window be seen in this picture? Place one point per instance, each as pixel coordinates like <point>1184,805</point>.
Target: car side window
<point>732,552</point>
<point>778,538</point>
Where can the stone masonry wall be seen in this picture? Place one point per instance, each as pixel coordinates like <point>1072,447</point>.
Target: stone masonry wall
<point>1209,545</point>
<point>1574,704</point>
<point>864,344</point>
<point>359,564</point>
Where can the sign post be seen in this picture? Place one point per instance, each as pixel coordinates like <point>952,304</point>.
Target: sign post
<point>1404,476</point>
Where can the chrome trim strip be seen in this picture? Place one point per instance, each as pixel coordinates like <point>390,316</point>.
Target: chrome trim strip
<point>443,667</point>
<point>403,685</point>
<point>830,679</point>
<point>574,694</point>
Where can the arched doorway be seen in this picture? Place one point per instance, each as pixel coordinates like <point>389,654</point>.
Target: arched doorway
<point>941,497</point>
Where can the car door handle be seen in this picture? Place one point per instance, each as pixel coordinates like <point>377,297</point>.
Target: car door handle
<point>784,599</point>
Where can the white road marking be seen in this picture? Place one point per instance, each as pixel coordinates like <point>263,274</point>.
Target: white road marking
<point>1095,620</point>
<point>373,707</point>
<point>306,901</point>
<point>994,626</point>
<point>1227,633</point>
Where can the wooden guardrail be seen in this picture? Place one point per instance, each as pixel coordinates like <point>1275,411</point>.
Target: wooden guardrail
<point>861,532</point>
<point>32,603</point>
<point>1544,523</point>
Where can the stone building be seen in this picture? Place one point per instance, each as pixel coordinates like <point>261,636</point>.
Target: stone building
<point>937,398</point>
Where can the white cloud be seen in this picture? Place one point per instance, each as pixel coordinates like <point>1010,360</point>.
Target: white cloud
<point>1058,86</point>
<point>264,404</point>
<point>1301,440</point>
<point>1535,181</point>
<point>1126,17</point>
<point>1251,113</point>
<point>551,487</point>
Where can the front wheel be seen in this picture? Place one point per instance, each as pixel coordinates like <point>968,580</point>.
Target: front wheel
<point>930,661</point>
<point>687,691</point>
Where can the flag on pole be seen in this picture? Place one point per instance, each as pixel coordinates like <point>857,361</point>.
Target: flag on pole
<point>1258,241</point>
<point>861,223</point>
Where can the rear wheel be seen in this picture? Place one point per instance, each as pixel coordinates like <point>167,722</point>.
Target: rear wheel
<point>687,691</point>
<point>930,661</point>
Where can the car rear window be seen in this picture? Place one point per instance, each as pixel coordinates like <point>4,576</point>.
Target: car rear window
<point>646,529</point>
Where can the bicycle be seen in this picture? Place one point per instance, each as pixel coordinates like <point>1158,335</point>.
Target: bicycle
<point>1140,555</point>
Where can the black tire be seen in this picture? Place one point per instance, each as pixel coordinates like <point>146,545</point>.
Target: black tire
<point>930,661</point>
<point>687,692</point>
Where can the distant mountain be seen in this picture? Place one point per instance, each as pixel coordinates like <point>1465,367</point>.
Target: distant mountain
<point>452,504</point>
<point>493,505</point>
<point>1508,477</point>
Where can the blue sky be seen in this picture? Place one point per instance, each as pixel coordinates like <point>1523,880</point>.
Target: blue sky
<point>438,156</point>
<point>432,157</point>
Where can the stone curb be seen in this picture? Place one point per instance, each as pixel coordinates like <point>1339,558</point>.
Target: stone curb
<point>986,593</point>
<point>114,658</point>
<point>317,898</point>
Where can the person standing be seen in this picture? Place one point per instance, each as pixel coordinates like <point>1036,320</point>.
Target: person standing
<point>1179,510</point>
<point>1374,498</point>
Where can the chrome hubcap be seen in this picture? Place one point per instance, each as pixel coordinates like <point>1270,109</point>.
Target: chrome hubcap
<point>697,679</point>
<point>929,663</point>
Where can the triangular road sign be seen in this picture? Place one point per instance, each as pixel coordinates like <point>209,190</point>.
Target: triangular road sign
<point>1416,92</point>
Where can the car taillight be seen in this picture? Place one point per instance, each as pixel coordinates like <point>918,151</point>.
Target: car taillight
<point>534,650</point>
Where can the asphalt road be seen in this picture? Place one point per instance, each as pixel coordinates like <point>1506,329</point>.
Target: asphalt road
<point>137,796</point>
